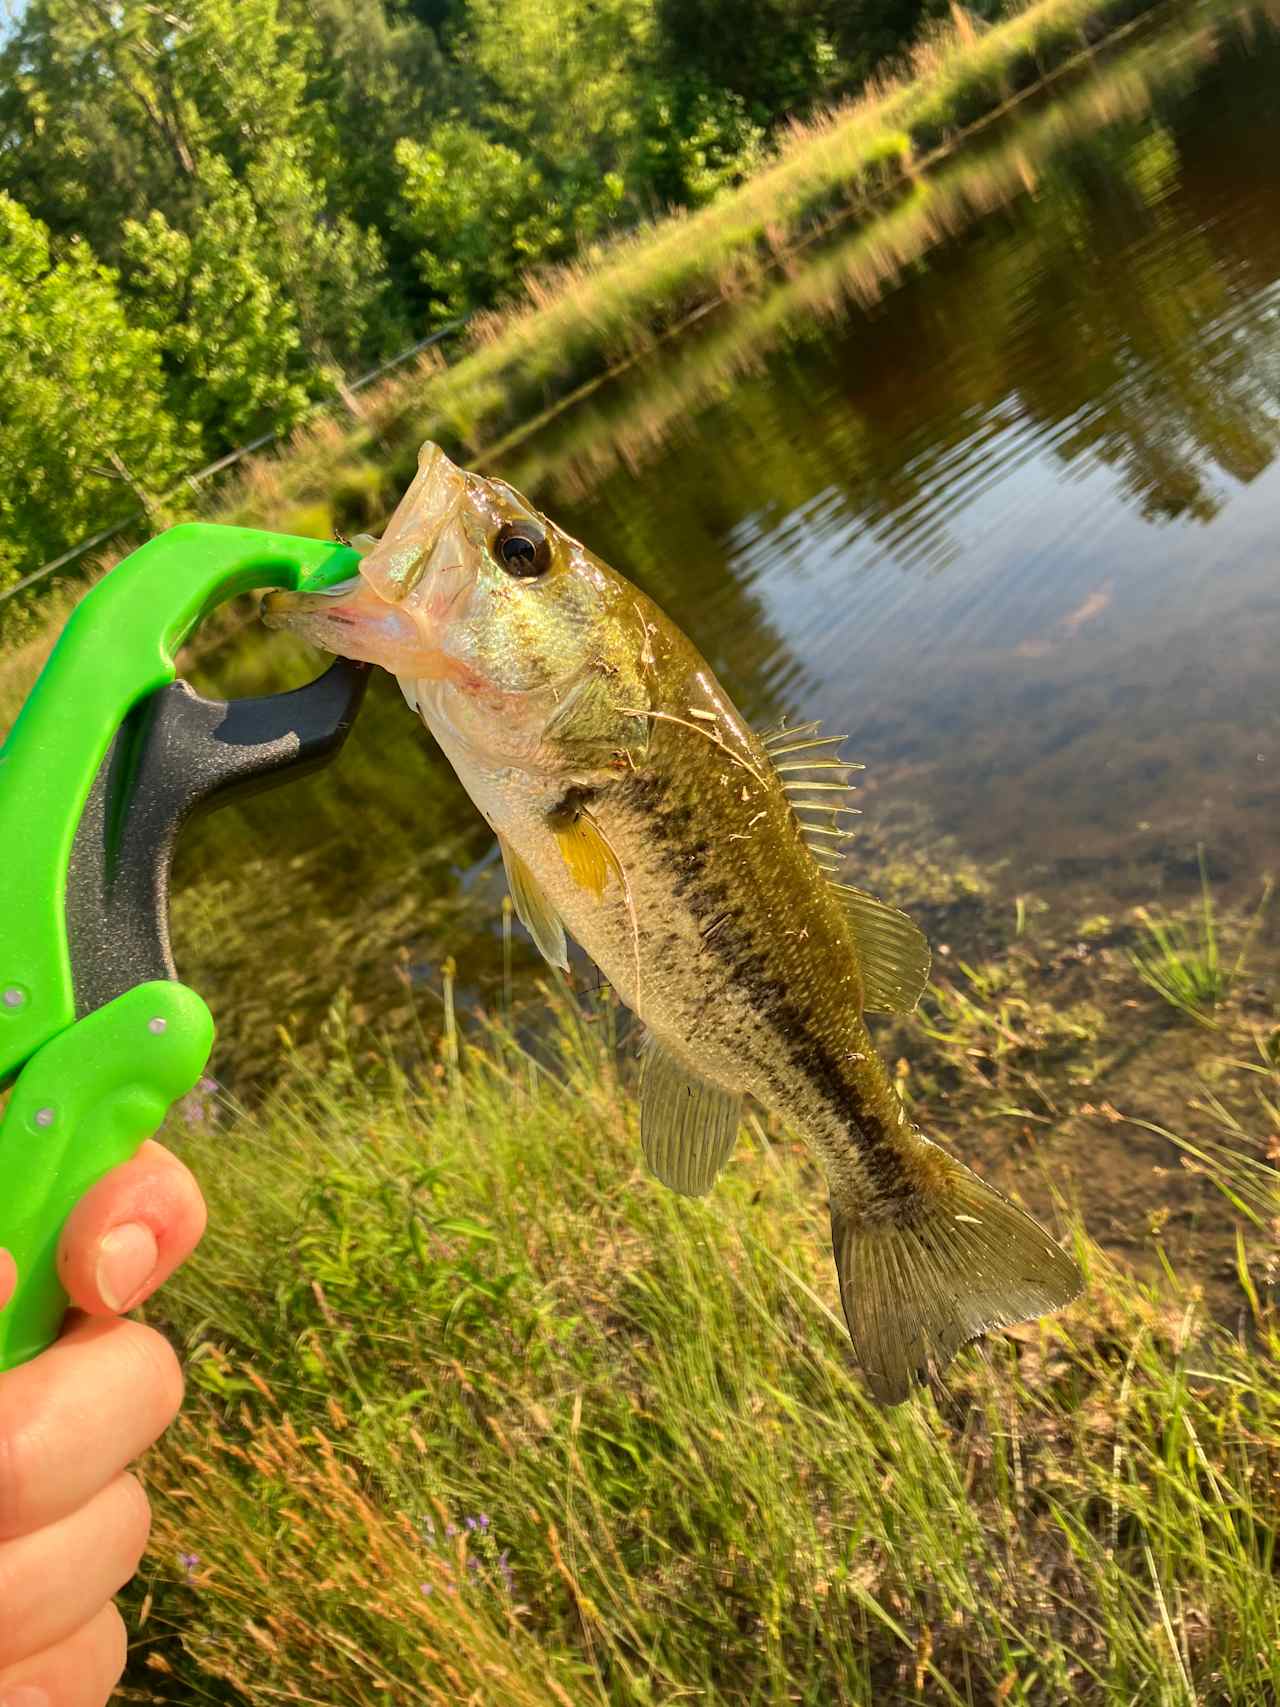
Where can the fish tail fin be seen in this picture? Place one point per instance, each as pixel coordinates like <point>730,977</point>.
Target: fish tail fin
<point>955,1260</point>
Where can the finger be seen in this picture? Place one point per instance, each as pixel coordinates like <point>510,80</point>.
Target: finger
<point>79,1672</point>
<point>72,1418</point>
<point>130,1231</point>
<point>55,1579</point>
<point>8,1277</point>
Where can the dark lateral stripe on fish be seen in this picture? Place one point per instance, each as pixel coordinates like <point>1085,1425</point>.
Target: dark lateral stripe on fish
<point>878,1147</point>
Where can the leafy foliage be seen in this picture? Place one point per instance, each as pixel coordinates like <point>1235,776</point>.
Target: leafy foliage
<point>477,213</point>
<point>84,428</point>
<point>287,192</point>
<point>230,336</point>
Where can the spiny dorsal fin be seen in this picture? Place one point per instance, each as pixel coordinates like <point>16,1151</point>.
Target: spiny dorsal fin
<point>892,951</point>
<point>534,911</point>
<point>688,1126</point>
<point>817,783</point>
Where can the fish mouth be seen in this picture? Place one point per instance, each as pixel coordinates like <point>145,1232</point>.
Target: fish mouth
<point>354,621</point>
<point>375,616</point>
<point>397,565</point>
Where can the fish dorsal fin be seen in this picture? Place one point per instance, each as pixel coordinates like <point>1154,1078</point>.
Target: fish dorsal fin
<point>600,717</point>
<point>892,951</point>
<point>817,783</point>
<point>688,1126</point>
<point>534,911</point>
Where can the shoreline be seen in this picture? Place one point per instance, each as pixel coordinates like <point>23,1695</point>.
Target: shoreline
<point>587,321</point>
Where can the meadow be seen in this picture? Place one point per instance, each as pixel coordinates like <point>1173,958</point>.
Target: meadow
<point>478,1412</point>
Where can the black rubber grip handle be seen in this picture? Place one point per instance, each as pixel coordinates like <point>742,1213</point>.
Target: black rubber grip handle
<point>175,755</point>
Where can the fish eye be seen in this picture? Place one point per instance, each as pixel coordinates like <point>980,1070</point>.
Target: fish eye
<point>523,549</point>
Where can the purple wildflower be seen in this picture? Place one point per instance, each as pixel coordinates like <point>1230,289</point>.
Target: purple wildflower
<point>189,1561</point>
<point>198,1104</point>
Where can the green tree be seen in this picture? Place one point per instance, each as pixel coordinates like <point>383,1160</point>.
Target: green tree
<point>332,271</point>
<point>376,76</point>
<point>566,80</point>
<point>697,140</point>
<point>229,334</point>
<point>777,56</point>
<point>84,432</point>
<point>478,214</point>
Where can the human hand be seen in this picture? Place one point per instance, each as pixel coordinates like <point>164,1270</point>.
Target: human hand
<point>73,1521</point>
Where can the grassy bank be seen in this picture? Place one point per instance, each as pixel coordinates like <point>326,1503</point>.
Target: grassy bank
<point>480,1413</point>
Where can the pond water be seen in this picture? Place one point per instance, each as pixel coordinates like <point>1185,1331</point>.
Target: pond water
<point>989,483</point>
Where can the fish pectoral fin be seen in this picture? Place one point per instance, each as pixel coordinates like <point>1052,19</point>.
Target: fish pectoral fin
<point>893,952</point>
<point>588,856</point>
<point>688,1126</point>
<point>533,910</point>
<point>957,1260</point>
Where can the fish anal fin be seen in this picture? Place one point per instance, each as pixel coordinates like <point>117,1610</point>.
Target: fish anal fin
<point>958,1261</point>
<point>893,952</point>
<point>533,909</point>
<point>688,1126</point>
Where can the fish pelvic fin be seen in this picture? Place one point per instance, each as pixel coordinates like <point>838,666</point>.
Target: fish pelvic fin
<point>534,911</point>
<point>957,1261</point>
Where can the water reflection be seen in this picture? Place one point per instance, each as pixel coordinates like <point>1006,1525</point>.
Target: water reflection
<point>1011,524</point>
<point>991,483</point>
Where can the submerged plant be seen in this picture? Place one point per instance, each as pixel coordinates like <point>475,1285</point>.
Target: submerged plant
<point>1183,963</point>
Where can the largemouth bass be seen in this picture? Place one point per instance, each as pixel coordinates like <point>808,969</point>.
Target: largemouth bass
<point>693,860</point>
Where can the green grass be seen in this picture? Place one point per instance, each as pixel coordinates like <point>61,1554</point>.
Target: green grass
<point>447,1290</point>
<point>1182,960</point>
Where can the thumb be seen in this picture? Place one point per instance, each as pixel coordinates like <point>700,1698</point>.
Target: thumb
<point>130,1231</point>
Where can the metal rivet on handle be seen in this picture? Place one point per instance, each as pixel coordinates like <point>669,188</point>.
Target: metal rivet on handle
<point>14,997</point>
<point>44,1117</point>
<point>157,1027</point>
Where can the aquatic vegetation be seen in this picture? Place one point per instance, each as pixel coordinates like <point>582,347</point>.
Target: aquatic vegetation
<point>992,1025</point>
<point>1181,959</point>
<point>685,1490</point>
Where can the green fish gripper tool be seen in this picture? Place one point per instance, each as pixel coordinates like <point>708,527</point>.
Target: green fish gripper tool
<point>108,757</point>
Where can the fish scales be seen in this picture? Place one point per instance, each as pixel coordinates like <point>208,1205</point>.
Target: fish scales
<point>638,812</point>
